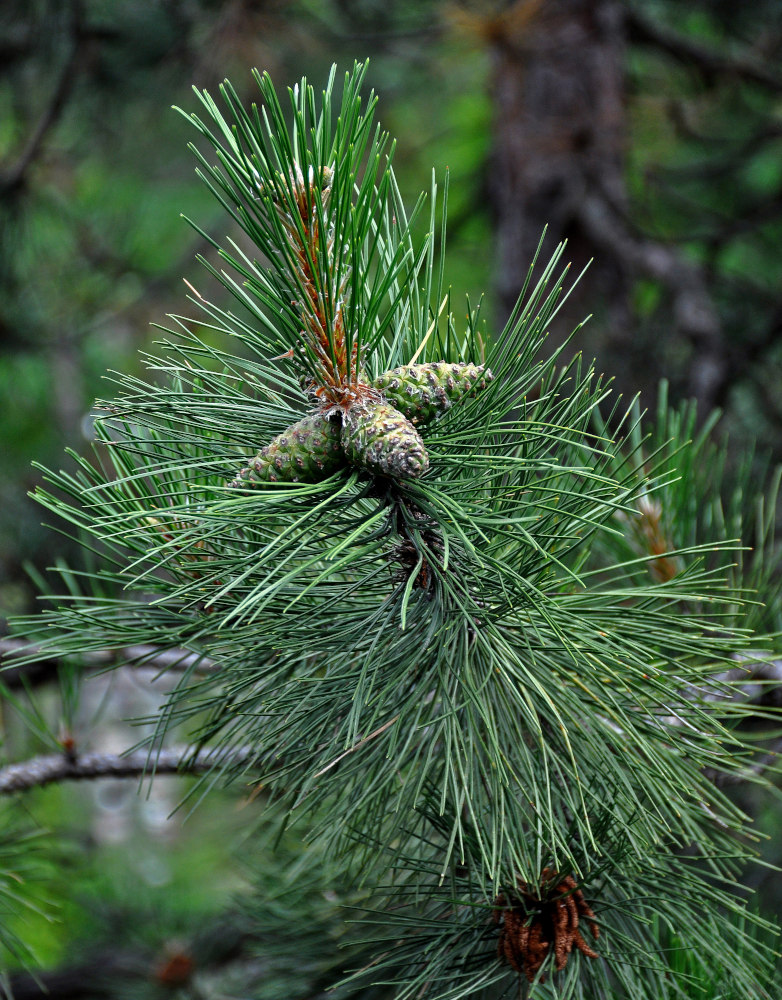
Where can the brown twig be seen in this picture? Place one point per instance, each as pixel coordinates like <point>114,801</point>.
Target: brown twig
<point>358,745</point>
<point>48,768</point>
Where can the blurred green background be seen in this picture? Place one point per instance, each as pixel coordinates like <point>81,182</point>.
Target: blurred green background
<point>648,134</point>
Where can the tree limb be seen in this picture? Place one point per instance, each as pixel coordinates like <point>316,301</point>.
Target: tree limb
<point>694,312</point>
<point>761,676</point>
<point>757,681</point>
<point>36,667</point>
<point>714,167</point>
<point>95,979</point>
<point>768,760</point>
<point>13,177</point>
<point>48,768</point>
<point>710,63</point>
<point>223,942</point>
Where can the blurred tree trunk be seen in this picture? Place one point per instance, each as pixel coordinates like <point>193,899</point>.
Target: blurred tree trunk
<point>559,131</point>
<point>558,161</point>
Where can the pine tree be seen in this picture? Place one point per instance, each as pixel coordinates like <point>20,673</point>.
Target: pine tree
<point>480,634</point>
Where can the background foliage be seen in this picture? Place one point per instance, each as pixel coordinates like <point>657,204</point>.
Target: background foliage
<point>93,177</point>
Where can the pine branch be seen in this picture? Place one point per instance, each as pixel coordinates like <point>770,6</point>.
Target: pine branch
<point>38,667</point>
<point>475,673</point>
<point>48,768</point>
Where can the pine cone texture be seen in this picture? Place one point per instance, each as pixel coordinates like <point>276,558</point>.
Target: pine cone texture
<point>306,452</point>
<point>537,920</point>
<point>424,392</point>
<point>381,439</point>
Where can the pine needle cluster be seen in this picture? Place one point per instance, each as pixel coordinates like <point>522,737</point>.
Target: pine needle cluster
<point>473,623</point>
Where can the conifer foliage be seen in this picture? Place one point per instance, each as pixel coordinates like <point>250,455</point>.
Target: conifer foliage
<point>417,555</point>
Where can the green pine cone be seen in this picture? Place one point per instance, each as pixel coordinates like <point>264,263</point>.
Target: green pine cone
<point>423,392</point>
<point>378,437</point>
<point>306,452</point>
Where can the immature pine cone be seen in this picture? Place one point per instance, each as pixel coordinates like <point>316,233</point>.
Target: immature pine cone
<point>378,437</point>
<point>306,452</point>
<point>423,392</point>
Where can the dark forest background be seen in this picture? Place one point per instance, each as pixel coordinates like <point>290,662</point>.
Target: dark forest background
<point>647,134</point>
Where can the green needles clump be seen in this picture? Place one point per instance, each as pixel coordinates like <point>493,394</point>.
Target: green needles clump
<point>459,632</point>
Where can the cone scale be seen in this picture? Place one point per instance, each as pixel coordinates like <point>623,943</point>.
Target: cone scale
<point>306,452</point>
<point>379,438</point>
<point>421,393</point>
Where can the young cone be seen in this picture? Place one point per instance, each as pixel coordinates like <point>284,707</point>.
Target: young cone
<point>424,392</point>
<point>306,452</point>
<point>380,438</point>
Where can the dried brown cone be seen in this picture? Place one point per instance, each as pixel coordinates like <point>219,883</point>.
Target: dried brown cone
<point>536,951</point>
<point>535,920</point>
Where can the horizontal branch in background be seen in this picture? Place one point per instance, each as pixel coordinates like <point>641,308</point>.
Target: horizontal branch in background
<point>49,768</point>
<point>90,980</point>
<point>756,680</point>
<point>712,64</point>
<point>761,677</point>
<point>766,761</point>
<point>694,312</point>
<point>38,670</point>
<point>13,177</point>
<point>161,968</point>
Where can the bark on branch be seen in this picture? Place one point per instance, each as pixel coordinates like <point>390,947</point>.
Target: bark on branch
<point>756,681</point>
<point>14,176</point>
<point>766,761</point>
<point>694,311</point>
<point>33,668</point>
<point>560,135</point>
<point>48,768</point>
<point>711,64</point>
